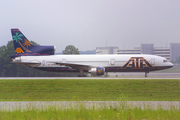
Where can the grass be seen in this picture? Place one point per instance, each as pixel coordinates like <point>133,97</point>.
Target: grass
<point>89,90</point>
<point>79,112</point>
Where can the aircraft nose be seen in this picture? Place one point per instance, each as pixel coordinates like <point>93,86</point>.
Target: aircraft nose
<point>170,64</point>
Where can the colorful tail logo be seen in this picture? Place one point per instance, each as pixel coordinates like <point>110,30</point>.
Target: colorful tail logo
<point>18,37</point>
<point>24,47</point>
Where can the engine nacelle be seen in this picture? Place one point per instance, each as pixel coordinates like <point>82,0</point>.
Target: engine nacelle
<point>97,71</point>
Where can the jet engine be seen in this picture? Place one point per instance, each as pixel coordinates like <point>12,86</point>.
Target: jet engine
<point>97,71</point>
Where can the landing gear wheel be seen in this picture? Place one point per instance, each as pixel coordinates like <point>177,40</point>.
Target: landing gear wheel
<point>81,76</point>
<point>81,73</point>
<point>146,74</point>
<point>106,74</point>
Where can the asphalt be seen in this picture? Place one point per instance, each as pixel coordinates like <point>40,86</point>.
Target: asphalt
<point>75,78</point>
<point>120,75</point>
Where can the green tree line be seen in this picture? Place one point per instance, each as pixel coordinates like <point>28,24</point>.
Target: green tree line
<point>8,69</point>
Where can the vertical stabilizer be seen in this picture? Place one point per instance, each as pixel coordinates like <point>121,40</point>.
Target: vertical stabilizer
<point>23,47</point>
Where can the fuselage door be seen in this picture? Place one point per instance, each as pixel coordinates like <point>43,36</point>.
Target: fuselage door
<point>152,61</point>
<point>43,62</point>
<point>112,61</point>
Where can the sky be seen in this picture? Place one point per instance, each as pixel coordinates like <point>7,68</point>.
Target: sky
<point>88,24</point>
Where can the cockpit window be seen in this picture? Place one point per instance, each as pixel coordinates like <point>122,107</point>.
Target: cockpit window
<point>164,60</point>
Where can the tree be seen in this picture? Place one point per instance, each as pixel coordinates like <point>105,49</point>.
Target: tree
<point>6,67</point>
<point>70,49</point>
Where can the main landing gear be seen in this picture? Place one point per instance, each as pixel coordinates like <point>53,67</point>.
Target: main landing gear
<point>146,73</point>
<point>106,74</point>
<point>82,76</point>
<point>81,73</point>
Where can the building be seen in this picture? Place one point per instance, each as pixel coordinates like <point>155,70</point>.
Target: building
<point>175,51</point>
<point>163,52</point>
<point>129,51</point>
<point>171,53</point>
<point>147,49</point>
<point>106,50</point>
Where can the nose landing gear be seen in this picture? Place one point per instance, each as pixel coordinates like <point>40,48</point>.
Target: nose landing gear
<point>146,73</point>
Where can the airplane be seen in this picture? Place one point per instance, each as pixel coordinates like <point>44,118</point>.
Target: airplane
<point>44,58</point>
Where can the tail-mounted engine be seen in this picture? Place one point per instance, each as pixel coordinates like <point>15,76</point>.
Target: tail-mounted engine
<point>97,71</point>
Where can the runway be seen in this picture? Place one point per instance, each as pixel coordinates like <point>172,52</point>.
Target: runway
<point>77,78</point>
<point>122,75</point>
<point>23,105</point>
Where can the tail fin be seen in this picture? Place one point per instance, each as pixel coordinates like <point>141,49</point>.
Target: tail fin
<point>23,47</point>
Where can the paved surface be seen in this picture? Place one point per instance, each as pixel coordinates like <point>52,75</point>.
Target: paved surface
<point>44,78</point>
<point>141,74</point>
<point>9,106</point>
<point>120,75</point>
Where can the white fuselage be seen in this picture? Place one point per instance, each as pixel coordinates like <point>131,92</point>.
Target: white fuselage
<point>112,63</point>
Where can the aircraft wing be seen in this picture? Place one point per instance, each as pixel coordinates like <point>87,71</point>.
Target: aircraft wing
<point>75,65</point>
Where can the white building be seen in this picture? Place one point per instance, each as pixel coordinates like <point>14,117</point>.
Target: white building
<point>171,53</point>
